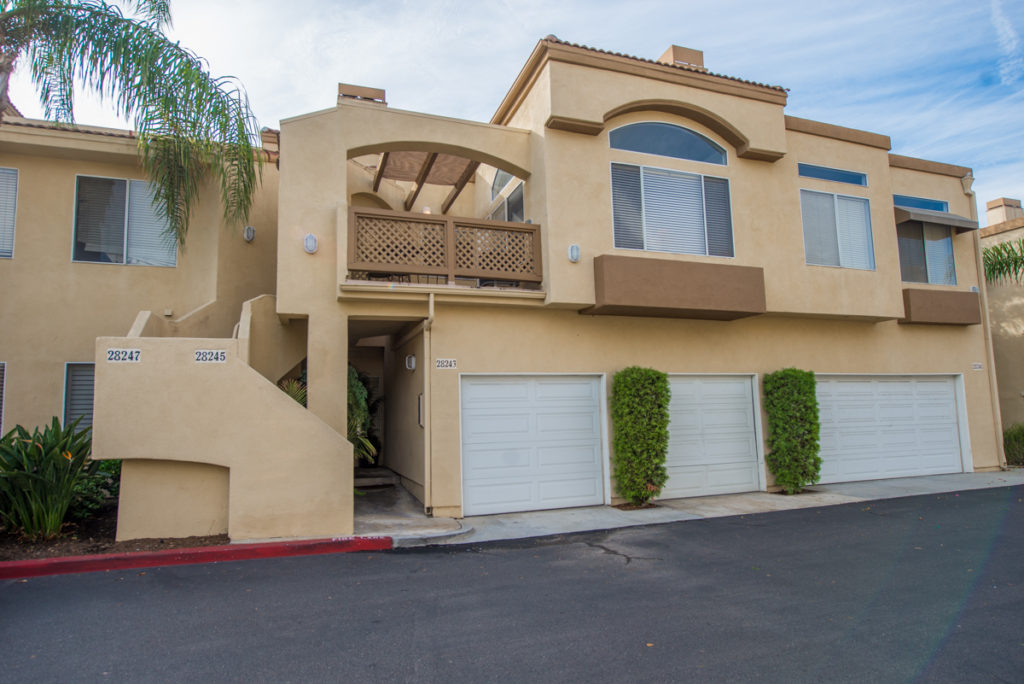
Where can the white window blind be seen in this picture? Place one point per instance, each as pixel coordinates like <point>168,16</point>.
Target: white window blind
<point>148,242</point>
<point>8,210</point>
<point>837,230</point>
<point>78,393</point>
<point>670,211</point>
<point>938,249</point>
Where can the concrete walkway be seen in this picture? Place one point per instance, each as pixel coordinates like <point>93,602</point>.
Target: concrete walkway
<point>393,512</point>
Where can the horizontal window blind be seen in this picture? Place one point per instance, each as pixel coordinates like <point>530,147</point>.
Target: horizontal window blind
<point>673,212</point>
<point>148,241</point>
<point>719,216</point>
<point>99,220</point>
<point>627,207</point>
<point>8,210</point>
<point>821,245</point>
<point>78,393</point>
<point>837,230</point>
<point>854,226</point>
<point>938,248</point>
<point>910,243</point>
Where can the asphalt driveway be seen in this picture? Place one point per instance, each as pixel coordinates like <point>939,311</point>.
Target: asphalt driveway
<point>927,588</point>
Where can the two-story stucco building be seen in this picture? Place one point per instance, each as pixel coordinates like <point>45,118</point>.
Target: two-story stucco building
<point>492,278</point>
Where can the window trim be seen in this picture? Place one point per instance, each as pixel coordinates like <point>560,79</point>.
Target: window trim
<point>835,211</point>
<point>124,242</point>
<point>14,225</point>
<point>725,151</point>
<point>800,166</point>
<point>643,218</point>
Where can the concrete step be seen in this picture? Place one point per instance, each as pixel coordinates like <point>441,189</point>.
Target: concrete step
<point>374,477</point>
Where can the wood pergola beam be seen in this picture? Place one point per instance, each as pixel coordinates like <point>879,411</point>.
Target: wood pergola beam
<point>421,178</point>
<point>459,186</point>
<point>379,176</point>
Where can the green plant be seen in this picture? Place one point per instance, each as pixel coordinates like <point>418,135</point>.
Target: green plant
<point>640,398</point>
<point>791,403</point>
<point>1013,444</point>
<point>359,417</point>
<point>188,124</point>
<point>1004,262</point>
<point>39,475</point>
<point>294,388</point>
<point>94,491</point>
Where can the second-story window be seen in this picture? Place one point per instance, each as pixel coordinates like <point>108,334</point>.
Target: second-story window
<point>837,230</point>
<point>926,253</point>
<point>670,211</point>
<point>8,206</point>
<point>116,223</point>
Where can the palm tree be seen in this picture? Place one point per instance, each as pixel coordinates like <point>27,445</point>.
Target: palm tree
<point>1004,261</point>
<point>188,123</point>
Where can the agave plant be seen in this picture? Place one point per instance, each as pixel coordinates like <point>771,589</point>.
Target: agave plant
<point>39,475</point>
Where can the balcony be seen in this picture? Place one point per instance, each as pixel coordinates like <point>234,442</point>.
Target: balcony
<point>424,249</point>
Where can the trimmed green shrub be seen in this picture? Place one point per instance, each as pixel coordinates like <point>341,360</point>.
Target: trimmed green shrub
<point>41,475</point>
<point>791,402</point>
<point>640,399</point>
<point>1013,444</point>
<point>95,491</point>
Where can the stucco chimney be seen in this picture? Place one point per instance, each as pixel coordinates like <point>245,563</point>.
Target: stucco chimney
<point>1002,209</point>
<point>355,93</point>
<point>677,55</point>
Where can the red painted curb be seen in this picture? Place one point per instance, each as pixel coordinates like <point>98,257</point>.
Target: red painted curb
<point>202,554</point>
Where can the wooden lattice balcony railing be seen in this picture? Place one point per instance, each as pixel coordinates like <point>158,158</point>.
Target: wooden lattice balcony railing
<point>391,243</point>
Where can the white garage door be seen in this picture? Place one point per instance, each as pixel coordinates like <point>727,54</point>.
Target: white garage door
<point>530,443</point>
<point>712,446</point>
<point>875,427</point>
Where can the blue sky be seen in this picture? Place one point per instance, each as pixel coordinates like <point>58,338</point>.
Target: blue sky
<point>945,80</point>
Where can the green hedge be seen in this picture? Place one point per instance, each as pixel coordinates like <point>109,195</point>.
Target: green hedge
<point>1013,444</point>
<point>640,399</point>
<point>791,403</point>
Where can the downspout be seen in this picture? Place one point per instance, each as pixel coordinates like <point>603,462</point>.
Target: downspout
<point>990,361</point>
<point>428,496</point>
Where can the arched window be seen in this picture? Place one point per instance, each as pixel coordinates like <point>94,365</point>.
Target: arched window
<point>667,140</point>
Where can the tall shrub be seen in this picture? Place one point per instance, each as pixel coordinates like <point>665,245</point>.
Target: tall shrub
<point>791,402</point>
<point>40,476</point>
<point>359,417</point>
<point>640,399</point>
<point>1013,444</point>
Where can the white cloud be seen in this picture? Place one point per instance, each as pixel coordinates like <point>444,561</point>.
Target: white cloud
<point>1011,64</point>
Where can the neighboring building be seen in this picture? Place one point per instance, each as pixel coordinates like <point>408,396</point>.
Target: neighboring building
<point>1005,223</point>
<point>491,278</point>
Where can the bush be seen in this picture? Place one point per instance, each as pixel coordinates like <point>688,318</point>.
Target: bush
<point>640,399</point>
<point>1013,444</point>
<point>791,403</point>
<point>359,417</point>
<point>41,476</point>
<point>94,491</point>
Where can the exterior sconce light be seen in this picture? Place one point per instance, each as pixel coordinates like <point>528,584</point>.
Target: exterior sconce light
<point>410,362</point>
<point>574,253</point>
<point>310,243</point>
<point>426,210</point>
<point>248,233</point>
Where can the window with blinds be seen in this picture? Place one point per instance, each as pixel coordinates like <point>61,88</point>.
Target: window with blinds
<point>837,230</point>
<point>661,210</point>
<point>8,210</point>
<point>926,253</point>
<point>116,223</point>
<point>78,393</point>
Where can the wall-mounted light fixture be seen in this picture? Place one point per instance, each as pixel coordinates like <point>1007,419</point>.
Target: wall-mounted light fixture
<point>410,362</point>
<point>310,243</point>
<point>248,233</point>
<point>574,253</point>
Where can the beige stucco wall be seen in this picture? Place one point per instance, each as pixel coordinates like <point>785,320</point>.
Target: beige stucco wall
<point>403,440</point>
<point>270,345</point>
<point>290,474</point>
<point>61,307</point>
<point>1006,310</point>
<point>191,499</point>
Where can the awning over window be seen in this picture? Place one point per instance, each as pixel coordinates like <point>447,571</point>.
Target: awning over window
<point>943,218</point>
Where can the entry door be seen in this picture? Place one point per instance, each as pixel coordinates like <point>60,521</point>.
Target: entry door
<point>531,443</point>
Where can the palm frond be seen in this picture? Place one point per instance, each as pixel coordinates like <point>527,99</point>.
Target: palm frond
<point>1004,262</point>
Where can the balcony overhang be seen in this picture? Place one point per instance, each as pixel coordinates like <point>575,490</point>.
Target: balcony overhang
<point>941,307</point>
<point>960,224</point>
<point>663,288</point>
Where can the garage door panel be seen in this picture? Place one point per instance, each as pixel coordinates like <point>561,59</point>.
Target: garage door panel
<point>712,442</point>
<point>888,426</point>
<point>531,442</point>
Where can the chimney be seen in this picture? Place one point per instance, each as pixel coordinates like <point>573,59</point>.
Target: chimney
<point>1001,210</point>
<point>270,139</point>
<point>677,55</point>
<point>354,93</point>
